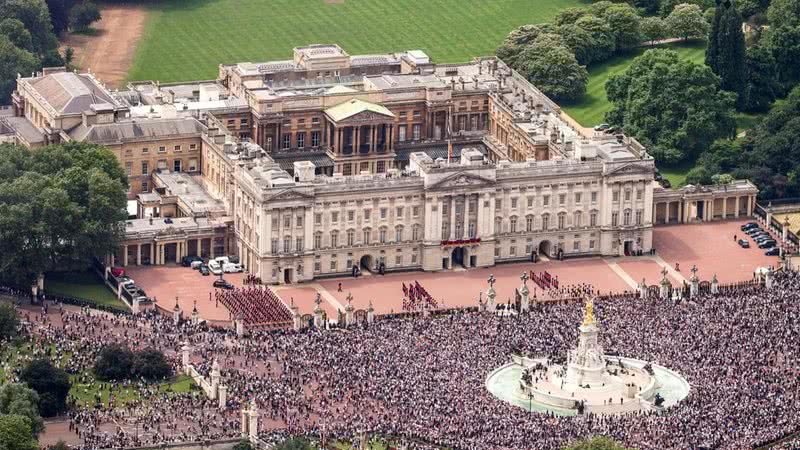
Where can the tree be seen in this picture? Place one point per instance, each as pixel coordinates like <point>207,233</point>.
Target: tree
<point>569,16</point>
<point>59,14</point>
<point>674,107</point>
<point>21,400</point>
<point>16,433</point>
<point>51,383</point>
<point>783,38</point>
<point>244,444</point>
<point>518,39</point>
<point>9,321</point>
<point>13,61</point>
<point>36,17</point>
<point>596,443</point>
<point>686,21</point>
<point>293,444</point>
<point>604,40</point>
<point>624,22</point>
<point>667,6</point>
<point>552,68</point>
<point>151,364</point>
<point>730,62</point>
<point>15,31</point>
<point>762,79</point>
<point>60,205</point>
<point>83,15</point>
<point>114,362</point>
<point>712,48</point>
<point>580,42</point>
<point>769,154</point>
<point>653,29</point>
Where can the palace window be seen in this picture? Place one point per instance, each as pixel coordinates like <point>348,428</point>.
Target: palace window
<point>530,202</point>
<point>315,138</point>
<point>401,133</point>
<point>445,231</point>
<point>398,259</point>
<point>415,233</point>
<point>383,213</point>
<point>399,212</point>
<point>472,230</point>
<point>334,239</point>
<point>287,244</point>
<point>576,220</point>
<point>287,141</point>
<point>317,241</point>
<point>459,231</point>
<point>193,165</point>
<point>347,169</point>
<point>161,164</point>
<point>145,186</point>
<point>129,168</point>
<point>351,238</point>
<point>498,204</point>
<point>591,244</point>
<point>615,196</point>
<point>333,263</point>
<point>578,198</point>
<point>614,219</point>
<point>162,149</point>
<point>545,221</point>
<point>415,211</point>
<point>514,203</point>
<point>626,217</point>
<point>513,225</point>
<point>367,214</point>
<point>417,130</point>
<point>176,165</point>
<point>593,219</point>
<point>145,150</point>
<point>546,200</point>
<point>382,235</point>
<point>287,221</point>
<point>177,148</point>
<point>627,195</point>
<point>243,122</point>
<point>366,235</point>
<point>576,246</point>
<point>398,234</point>
<point>561,220</point>
<point>298,245</point>
<point>594,197</point>
<point>380,167</point>
<point>298,221</point>
<point>417,115</point>
<point>351,215</point>
<point>301,140</point>
<point>529,223</point>
<point>318,219</point>
<point>334,217</point>
<point>274,247</point>
<point>639,214</point>
<point>562,198</point>
<point>639,194</point>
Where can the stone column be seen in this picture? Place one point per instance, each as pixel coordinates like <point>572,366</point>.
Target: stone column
<point>694,287</point>
<point>253,421</point>
<point>491,305</point>
<point>725,207</point>
<point>222,396</point>
<point>215,377</point>
<point>370,313</point>
<point>452,217</point>
<point>125,255</point>
<point>465,234</point>
<point>479,219</point>
<point>185,349</point>
<point>736,207</point>
<point>357,143</point>
<point>138,254</point>
<point>714,282</point>
<point>152,253</point>
<point>749,206</point>
<point>768,278</point>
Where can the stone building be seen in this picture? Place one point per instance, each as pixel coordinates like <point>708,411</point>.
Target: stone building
<point>311,166</point>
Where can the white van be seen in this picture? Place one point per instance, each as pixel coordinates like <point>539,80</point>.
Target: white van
<point>215,267</point>
<point>222,260</point>
<point>232,267</point>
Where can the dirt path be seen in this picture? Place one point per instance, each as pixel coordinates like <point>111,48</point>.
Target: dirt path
<point>110,52</point>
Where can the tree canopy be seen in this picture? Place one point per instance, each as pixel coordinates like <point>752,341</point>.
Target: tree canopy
<point>16,398</point>
<point>118,362</point>
<point>13,60</point>
<point>59,205</point>
<point>51,383</point>
<point>687,22</point>
<point>9,321</point>
<point>16,433</point>
<point>674,107</point>
<point>762,79</point>
<point>552,68</point>
<point>727,56</point>
<point>783,38</point>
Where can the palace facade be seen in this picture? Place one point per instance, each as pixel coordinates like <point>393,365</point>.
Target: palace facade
<point>310,166</point>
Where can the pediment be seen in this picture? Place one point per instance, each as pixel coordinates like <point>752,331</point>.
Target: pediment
<point>631,169</point>
<point>366,116</point>
<point>461,180</point>
<point>288,195</point>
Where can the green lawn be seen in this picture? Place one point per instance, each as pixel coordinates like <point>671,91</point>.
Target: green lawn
<point>86,393</point>
<point>82,285</point>
<point>187,39</point>
<point>589,110</point>
<point>676,174</point>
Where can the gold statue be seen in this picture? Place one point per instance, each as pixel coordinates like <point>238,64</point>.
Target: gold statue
<point>588,315</point>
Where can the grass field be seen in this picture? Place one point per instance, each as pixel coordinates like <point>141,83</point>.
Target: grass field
<point>82,285</point>
<point>589,110</point>
<point>84,393</point>
<point>187,39</point>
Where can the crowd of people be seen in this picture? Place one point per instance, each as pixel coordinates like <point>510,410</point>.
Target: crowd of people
<point>257,305</point>
<point>416,298</point>
<point>423,379</point>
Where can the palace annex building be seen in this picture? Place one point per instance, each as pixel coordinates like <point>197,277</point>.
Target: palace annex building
<point>310,166</point>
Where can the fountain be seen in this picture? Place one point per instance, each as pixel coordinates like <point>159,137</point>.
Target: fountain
<point>589,380</point>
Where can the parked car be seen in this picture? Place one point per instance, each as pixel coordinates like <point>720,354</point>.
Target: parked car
<point>233,259</point>
<point>767,244</point>
<point>222,259</point>
<point>215,267</point>
<point>196,264</point>
<point>123,280</point>
<point>762,237</point>
<point>204,270</point>
<point>222,284</point>
<point>743,243</point>
<point>188,260</point>
<point>232,268</point>
<point>749,225</point>
<point>601,127</point>
<point>774,251</point>
<point>666,184</point>
<point>753,231</point>
<point>117,271</point>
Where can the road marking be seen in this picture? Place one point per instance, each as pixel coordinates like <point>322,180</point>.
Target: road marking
<point>621,273</point>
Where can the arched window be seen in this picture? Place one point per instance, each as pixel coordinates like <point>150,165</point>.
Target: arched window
<point>545,221</point>
<point>513,224</point>
<point>626,217</point>
<point>398,233</point>
<point>498,225</point>
<point>366,236</point>
<point>593,218</point>
<point>382,235</point>
<point>317,240</point>
<point>351,238</point>
<point>529,223</point>
<point>562,216</point>
<point>334,239</point>
<point>577,218</point>
<point>415,233</point>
